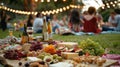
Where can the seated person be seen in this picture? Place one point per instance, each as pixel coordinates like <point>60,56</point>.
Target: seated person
<point>55,23</point>
<point>64,22</point>
<point>90,21</point>
<point>38,23</point>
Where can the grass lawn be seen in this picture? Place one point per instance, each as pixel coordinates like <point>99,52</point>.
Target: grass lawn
<point>111,41</point>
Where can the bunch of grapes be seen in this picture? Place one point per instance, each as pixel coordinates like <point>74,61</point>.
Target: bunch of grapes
<point>13,54</point>
<point>52,42</point>
<point>91,47</point>
<point>36,46</point>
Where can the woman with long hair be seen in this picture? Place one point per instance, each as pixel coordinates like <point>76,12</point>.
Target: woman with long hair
<point>30,20</point>
<point>75,20</point>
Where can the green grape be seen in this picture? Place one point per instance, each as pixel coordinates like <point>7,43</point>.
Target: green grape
<point>55,56</point>
<point>59,58</point>
<point>94,48</point>
<point>41,56</point>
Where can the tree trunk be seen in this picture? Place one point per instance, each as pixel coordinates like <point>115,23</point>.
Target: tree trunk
<point>29,5</point>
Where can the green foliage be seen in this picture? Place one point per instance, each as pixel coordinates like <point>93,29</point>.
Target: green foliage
<point>91,47</point>
<point>43,6</point>
<point>105,14</point>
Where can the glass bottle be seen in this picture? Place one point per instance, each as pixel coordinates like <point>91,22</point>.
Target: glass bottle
<point>49,30</point>
<point>45,31</point>
<point>24,37</point>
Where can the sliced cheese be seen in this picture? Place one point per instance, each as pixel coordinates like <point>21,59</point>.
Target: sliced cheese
<point>69,55</point>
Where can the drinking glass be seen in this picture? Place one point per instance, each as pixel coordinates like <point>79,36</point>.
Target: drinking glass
<point>11,32</point>
<point>30,32</point>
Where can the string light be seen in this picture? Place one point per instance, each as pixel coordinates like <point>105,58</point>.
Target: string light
<point>36,0</point>
<point>42,0</point>
<point>64,8</point>
<point>43,12</point>
<point>68,7</point>
<point>111,2</point>
<point>115,1</point>
<point>15,24</point>
<point>64,0</point>
<point>55,0</point>
<point>119,4</point>
<point>103,7</point>
<point>57,10</point>
<point>48,0</point>
<point>61,9</point>
<point>113,5</point>
<point>108,6</point>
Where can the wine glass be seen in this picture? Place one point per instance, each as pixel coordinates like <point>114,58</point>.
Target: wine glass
<point>30,32</point>
<point>11,32</point>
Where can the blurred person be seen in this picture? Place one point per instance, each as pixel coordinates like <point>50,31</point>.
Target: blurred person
<point>21,24</point>
<point>90,21</point>
<point>84,14</point>
<point>38,23</point>
<point>55,23</point>
<point>114,22</point>
<point>30,21</point>
<point>110,25</point>
<point>117,20</point>
<point>4,19</point>
<point>99,20</point>
<point>9,25</point>
<point>64,22</point>
<point>111,19</point>
<point>74,23</point>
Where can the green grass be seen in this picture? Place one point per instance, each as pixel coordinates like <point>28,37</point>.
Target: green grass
<point>111,41</point>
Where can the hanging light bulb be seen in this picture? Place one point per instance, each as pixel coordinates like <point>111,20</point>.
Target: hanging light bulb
<point>115,1</point>
<point>64,0</point>
<point>61,9</point>
<point>111,2</point>
<point>68,7</point>
<point>55,0</point>
<point>48,0</point>
<point>5,8</point>
<point>103,7</point>
<point>64,8</point>
<point>36,0</point>
<point>113,5</point>
<point>57,10</point>
<point>35,13</point>
<point>108,6</point>
<point>119,4</point>
<point>42,0</point>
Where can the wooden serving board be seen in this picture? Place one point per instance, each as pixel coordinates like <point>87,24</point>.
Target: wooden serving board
<point>15,63</point>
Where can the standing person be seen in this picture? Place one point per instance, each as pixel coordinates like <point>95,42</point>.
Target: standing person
<point>3,22</point>
<point>75,20</point>
<point>38,23</point>
<point>30,21</point>
<point>117,19</point>
<point>90,21</point>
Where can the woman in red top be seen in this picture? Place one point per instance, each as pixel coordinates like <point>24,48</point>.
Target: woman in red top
<point>90,21</point>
